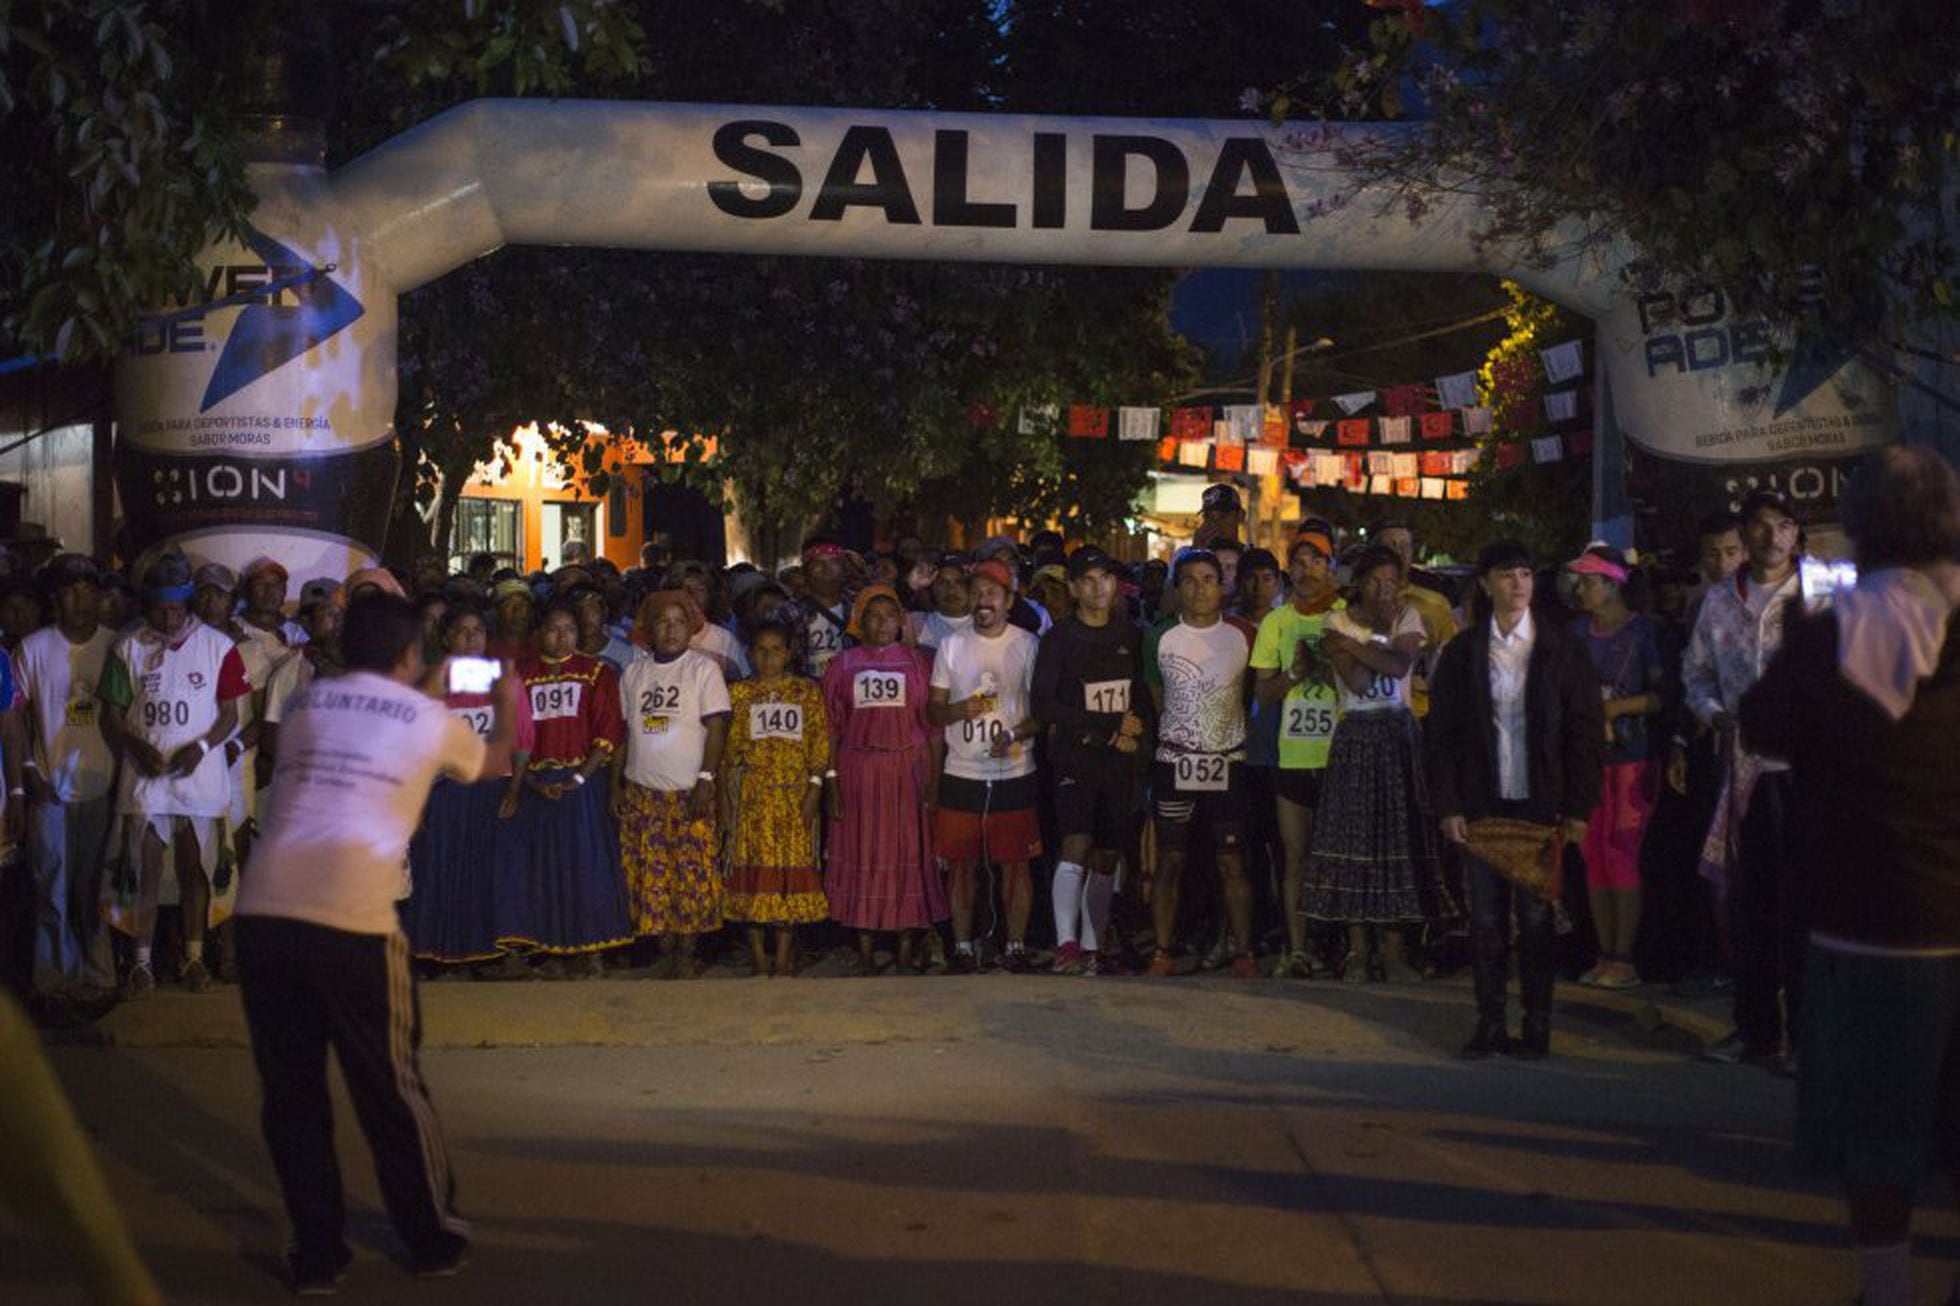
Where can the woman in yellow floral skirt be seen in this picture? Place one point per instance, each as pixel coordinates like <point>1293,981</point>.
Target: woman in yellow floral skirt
<point>772,779</point>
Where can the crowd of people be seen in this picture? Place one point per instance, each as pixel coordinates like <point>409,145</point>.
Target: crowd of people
<point>1333,764</point>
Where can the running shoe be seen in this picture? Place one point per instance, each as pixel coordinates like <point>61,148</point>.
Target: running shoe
<point>1733,1051</point>
<point>1618,976</point>
<point>1015,961</point>
<point>1297,964</point>
<point>1245,966</point>
<point>139,983</point>
<point>194,977</point>
<point>1161,965</point>
<point>962,963</point>
<point>442,1267</point>
<point>1092,964</point>
<point>1068,959</point>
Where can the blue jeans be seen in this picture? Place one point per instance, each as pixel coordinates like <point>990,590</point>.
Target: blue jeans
<point>65,846</point>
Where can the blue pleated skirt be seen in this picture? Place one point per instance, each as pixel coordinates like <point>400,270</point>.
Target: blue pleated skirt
<point>460,864</point>
<point>566,892</point>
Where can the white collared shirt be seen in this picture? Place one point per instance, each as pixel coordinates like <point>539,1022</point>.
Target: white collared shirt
<point>1510,662</point>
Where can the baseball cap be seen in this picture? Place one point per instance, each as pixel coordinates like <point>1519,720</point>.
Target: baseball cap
<point>169,577</point>
<point>217,576</point>
<point>318,590</point>
<point>1085,560</point>
<point>997,572</point>
<point>1220,498</point>
<point>65,569</point>
<point>260,566</point>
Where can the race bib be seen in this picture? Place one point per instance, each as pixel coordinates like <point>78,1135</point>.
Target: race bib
<point>1307,719</point>
<point>878,689</point>
<point>165,714</point>
<point>1197,773</point>
<point>974,737</point>
<point>476,718</point>
<point>775,721</point>
<point>556,700</point>
<point>1382,689</point>
<point>81,714</point>
<point>1106,696</point>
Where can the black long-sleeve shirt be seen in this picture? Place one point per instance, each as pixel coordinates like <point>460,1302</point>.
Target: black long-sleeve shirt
<point>1073,658</point>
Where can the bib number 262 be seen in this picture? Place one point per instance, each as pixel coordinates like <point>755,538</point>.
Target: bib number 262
<point>1201,774</point>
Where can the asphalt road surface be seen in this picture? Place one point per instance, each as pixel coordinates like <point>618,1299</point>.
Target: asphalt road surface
<point>1001,1140</point>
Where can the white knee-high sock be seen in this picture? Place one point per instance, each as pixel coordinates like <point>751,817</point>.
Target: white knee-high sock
<point>1067,893</point>
<point>1098,892</point>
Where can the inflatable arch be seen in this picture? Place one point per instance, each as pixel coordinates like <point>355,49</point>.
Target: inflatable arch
<point>265,426</point>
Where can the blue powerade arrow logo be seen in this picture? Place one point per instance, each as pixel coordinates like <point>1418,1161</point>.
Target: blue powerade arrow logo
<point>267,336</point>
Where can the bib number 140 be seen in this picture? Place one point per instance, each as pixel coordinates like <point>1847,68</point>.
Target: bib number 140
<point>1201,774</point>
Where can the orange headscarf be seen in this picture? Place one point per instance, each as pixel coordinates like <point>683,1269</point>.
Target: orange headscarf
<point>855,626</point>
<point>643,626</point>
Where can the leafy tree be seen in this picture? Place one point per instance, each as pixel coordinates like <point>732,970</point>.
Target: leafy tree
<point>1798,153</point>
<point>126,131</point>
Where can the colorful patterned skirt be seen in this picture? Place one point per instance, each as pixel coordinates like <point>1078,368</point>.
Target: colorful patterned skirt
<point>671,876</point>
<point>1374,856</point>
<point>773,878</point>
<point>461,861</point>
<point>566,893</point>
<point>882,875</point>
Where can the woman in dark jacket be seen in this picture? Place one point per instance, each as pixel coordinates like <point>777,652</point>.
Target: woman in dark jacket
<point>1515,730</point>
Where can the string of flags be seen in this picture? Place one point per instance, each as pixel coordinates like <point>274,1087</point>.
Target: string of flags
<point>1339,441</point>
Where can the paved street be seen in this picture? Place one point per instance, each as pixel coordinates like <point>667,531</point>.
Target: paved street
<point>1001,1140</point>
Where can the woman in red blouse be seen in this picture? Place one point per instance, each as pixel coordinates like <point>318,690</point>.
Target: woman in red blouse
<point>578,902</point>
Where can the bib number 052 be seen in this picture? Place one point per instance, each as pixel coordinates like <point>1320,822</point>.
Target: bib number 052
<point>1197,773</point>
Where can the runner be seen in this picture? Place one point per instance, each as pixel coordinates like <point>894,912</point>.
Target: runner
<point>663,783</point>
<point>1373,866</point>
<point>881,874</point>
<point>324,963</point>
<point>1296,683</point>
<point>826,611</point>
<point>952,606</point>
<point>988,793</point>
<point>578,906</point>
<point>467,871</point>
<point>170,694</point>
<point>772,784</point>
<point>1196,671</point>
<point>67,771</point>
<point>1090,697</point>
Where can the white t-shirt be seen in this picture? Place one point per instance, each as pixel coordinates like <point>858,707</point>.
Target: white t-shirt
<point>57,681</point>
<point>667,706</point>
<point>970,663</point>
<point>722,647</point>
<point>1202,670</point>
<point>931,629</point>
<point>357,755</point>
<point>175,701</point>
<point>292,676</point>
<point>1383,692</point>
<point>825,637</point>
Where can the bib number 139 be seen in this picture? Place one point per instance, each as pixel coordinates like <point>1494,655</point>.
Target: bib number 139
<point>1200,774</point>
<point>878,689</point>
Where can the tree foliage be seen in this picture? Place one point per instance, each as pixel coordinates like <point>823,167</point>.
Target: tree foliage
<point>1799,153</point>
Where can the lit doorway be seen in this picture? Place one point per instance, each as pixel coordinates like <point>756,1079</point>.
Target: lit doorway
<point>563,523</point>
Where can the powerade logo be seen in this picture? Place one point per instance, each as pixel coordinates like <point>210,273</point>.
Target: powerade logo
<point>274,327</point>
<point>1692,332</point>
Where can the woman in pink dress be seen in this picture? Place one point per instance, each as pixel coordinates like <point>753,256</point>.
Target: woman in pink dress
<point>881,874</point>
